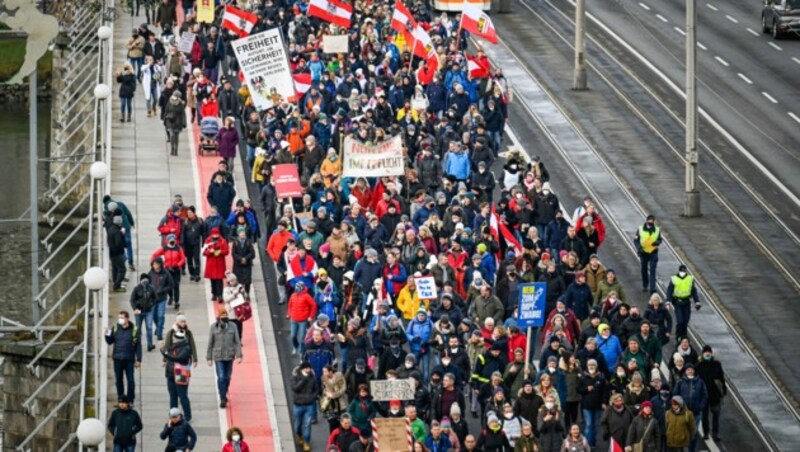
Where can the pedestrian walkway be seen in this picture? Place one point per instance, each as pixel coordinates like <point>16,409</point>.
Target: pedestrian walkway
<point>146,178</point>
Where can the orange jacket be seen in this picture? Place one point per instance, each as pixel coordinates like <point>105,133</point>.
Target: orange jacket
<point>276,243</point>
<point>296,137</point>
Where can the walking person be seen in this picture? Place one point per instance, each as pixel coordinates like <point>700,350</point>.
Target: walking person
<point>127,355</point>
<point>174,260</point>
<point>680,294</point>
<point>174,120</point>
<point>135,46</point>
<point>118,208</point>
<point>179,356</point>
<point>305,390</point>
<point>215,249</point>
<point>143,302</point>
<point>243,256</point>
<point>695,395</point>
<point>681,427</point>
<point>644,433</point>
<point>710,372</point>
<point>115,238</point>
<point>235,442</point>
<point>223,347</point>
<point>153,74</point>
<point>178,432</point>
<point>228,139</point>
<point>302,310</point>
<point>647,241</point>
<point>194,229</point>
<point>127,87</point>
<point>162,283</point>
<point>124,424</point>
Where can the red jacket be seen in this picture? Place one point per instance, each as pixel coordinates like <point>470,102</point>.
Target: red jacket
<point>171,224</point>
<point>516,341</point>
<point>458,262</point>
<point>276,244</point>
<point>228,447</point>
<point>301,306</point>
<point>173,257</point>
<point>215,262</point>
<point>598,223</point>
<point>364,197</point>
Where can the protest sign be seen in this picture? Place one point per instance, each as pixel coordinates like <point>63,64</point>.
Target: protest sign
<point>392,434</point>
<point>262,58</point>
<point>378,160</point>
<point>303,218</point>
<point>334,43</point>
<point>205,11</point>
<point>426,287</point>
<point>186,42</point>
<point>532,297</point>
<point>287,181</point>
<point>386,390</point>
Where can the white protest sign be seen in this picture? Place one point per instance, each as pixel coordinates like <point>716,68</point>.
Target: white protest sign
<point>262,58</point>
<point>335,43</point>
<point>386,390</point>
<point>426,287</point>
<point>186,42</point>
<point>382,159</point>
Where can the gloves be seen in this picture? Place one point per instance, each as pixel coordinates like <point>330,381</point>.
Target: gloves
<point>697,306</point>
<point>216,252</point>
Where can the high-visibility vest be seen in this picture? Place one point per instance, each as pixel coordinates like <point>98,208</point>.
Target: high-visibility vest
<point>647,238</point>
<point>682,287</point>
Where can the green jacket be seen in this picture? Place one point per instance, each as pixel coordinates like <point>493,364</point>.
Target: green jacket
<point>680,428</point>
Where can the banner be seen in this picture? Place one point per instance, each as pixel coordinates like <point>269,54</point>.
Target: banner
<point>186,42</point>
<point>287,181</point>
<point>335,43</point>
<point>532,298</point>
<point>383,159</point>
<point>392,434</point>
<point>262,58</point>
<point>387,390</point>
<point>205,11</point>
<point>426,288</point>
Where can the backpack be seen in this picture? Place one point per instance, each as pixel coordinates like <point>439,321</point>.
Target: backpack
<point>170,114</point>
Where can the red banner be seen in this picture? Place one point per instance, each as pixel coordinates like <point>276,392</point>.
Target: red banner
<point>287,181</point>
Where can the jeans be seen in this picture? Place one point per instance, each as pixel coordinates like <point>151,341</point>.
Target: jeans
<point>497,138</point>
<point>118,448</point>
<point>251,155</point>
<point>192,253</point>
<point>424,360</point>
<point>176,288</point>
<point>160,311</point>
<point>298,334</point>
<point>590,419</point>
<point>303,416</point>
<point>129,249</point>
<point>137,65</point>
<point>683,313</point>
<point>715,412</point>
<point>224,373</point>
<point>147,318</point>
<point>117,270</point>
<point>179,392</point>
<point>123,368</point>
<point>649,262</point>
<point>698,419</point>
<point>125,106</point>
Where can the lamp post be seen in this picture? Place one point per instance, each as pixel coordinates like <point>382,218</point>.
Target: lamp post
<point>691,204</point>
<point>91,432</point>
<point>579,73</point>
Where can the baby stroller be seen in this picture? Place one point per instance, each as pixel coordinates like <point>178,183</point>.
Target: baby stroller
<point>209,128</point>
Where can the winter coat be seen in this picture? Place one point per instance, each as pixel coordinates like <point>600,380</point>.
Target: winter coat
<point>594,399</point>
<point>457,165</point>
<point>178,352</point>
<point>243,256</point>
<point>162,283</point>
<point>551,433</point>
<point>126,342</point>
<point>338,387</point>
<point>181,435</point>
<point>694,393</point>
<point>611,350</point>
<point>143,297</point>
<point>304,388</point>
<point>714,378</point>
<point>215,252</point>
<point>641,426</point>
<point>362,411</point>
<point>127,84</point>
<point>228,139</point>
<point>419,335</point>
<point>615,424</point>
<point>603,289</point>
<point>135,47</point>
<point>116,240</point>
<point>223,342</point>
<point>482,308</point>
<point>221,196</point>
<point>174,114</point>
<point>173,257</point>
<point>301,306</point>
<point>578,297</point>
<point>408,303</point>
<point>680,428</point>
<point>124,425</point>
<point>319,356</point>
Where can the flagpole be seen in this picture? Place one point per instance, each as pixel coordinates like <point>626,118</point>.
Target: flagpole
<point>413,47</point>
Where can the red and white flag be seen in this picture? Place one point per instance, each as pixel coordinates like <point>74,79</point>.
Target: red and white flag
<point>238,21</point>
<point>333,11</point>
<point>614,446</point>
<point>302,82</point>
<point>477,22</point>
<point>477,68</point>
<point>423,46</point>
<point>402,21</point>
<point>499,229</point>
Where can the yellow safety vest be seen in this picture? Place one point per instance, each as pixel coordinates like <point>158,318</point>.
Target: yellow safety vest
<point>682,287</point>
<point>647,238</point>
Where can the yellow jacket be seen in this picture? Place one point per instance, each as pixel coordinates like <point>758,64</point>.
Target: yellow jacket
<point>258,166</point>
<point>409,303</point>
<point>330,170</point>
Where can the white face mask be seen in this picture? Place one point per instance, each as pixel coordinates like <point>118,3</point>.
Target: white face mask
<point>454,349</point>
<point>549,405</point>
<point>620,374</point>
<point>509,415</point>
<point>121,321</point>
<point>409,365</point>
<point>445,362</point>
<point>682,274</point>
<point>236,438</point>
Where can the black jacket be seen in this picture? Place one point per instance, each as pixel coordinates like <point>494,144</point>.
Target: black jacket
<point>127,84</point>
<point>193,232</point>
<point>162,282</point>
<point>714,377</point>
<point>116,240</point>
<point>228,102</point>
<point>154,49</point>
<point>143,297</point>
<point>595,398</point>
<point>124,425</point>
<point>304,388</point>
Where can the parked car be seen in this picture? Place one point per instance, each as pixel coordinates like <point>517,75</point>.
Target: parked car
<point>780,17</point>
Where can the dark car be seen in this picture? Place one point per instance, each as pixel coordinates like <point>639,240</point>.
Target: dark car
<point>781,17</point>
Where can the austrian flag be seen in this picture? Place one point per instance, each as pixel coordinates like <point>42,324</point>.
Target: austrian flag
<point>302,82</point>
<point>238,21</point>
<point>477,22</point>
<point>402,21</point>
<point>333,11</point>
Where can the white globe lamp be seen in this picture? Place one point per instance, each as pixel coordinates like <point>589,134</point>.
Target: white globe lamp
<point>95,278</point>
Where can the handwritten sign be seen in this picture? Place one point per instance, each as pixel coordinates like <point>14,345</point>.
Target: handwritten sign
<point>387,390</point>
<point>391,434</point>
<point>186,42</point>
<point>373,160</point>
<point>334,43</point>
<point>532,297</point>
<point>426,287</point>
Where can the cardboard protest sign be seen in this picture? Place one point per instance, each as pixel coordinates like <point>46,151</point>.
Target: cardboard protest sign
<point>334,43</point>
<point>392,434</point>
<point>186,42</point>
<point>262,58</point>
<point>386,390</point>
<point>377,160</point>
<point>205,11</point>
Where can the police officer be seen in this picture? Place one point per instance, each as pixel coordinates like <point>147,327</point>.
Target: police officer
<point>647,241</point>
<point>680,292</point>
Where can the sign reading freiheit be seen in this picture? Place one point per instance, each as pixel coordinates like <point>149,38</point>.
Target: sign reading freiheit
<point>262,58</point>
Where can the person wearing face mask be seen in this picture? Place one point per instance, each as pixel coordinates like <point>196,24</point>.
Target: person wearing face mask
<point>174,259</point>
<point>127,354</point>
<point>512,424</point>
<point>661,405</point>
<point>647,240</point>
<point>593,391</point>
<point>143,300</point>
<point>306,390</point>
<point>680,294</point>
<point>492,437</point>
<point>616,420</point>
<point>550,425</point>
<point>124,424</point>
<point>695,396</point>
<point>178,358</point>
<point>236,441</point>
<point>681,426</point>
<point>710,372</point>
<point>223,347</point>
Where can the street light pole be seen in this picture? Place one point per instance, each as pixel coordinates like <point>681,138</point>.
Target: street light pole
<point>579,74</point>
<point>691,206</point>
<point>34,196</point>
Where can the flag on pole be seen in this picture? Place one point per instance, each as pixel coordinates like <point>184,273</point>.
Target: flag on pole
<point>477,22</point>
<point>614,446</point>
<point>403,22</point>
<point>238,21</point>
<point>302,82</point>
<point>333,11</point>
<point>424,48</point>
<point>498,229</point>
<point>477,68</point>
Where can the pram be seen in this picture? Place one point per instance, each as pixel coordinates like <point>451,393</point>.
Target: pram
<point>209,128</point>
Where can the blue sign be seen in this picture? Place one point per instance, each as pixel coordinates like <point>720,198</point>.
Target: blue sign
<point>532,298</point>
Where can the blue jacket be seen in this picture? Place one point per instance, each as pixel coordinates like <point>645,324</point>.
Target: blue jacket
<point>694,393</point>
<point>457,165</point>
<point>126,342</point>
<point>578,297</point>
<point>419,334</point>
<point>326,303</point>
<point>452,77</point>
<point>421,216</point>
<point>488,262</point>
<point>181,435</point>
<point>366,273</point>
<point>437,97</point>
<point>318,356</point>
<point>443,444</point>
<point>555,232</point>
<point>611,349</point>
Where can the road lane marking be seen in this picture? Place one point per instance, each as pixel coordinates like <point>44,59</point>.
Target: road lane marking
<point>732,19</point>
<point>770,98</point>
<point>721,61</point>
<point>752,32</point>
<point>645,7</point>
<point>775,46</point>
<point>794,116</point>
<point>712,7</point>
<point>743,77</point>
<point>662,18</point>
<point>679,30</point>
<point>795,60</point>
<point>700,44</point>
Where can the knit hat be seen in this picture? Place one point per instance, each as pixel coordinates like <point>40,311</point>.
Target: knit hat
<point>647,404</point>
<point>455,409</point>
<point>174,412</point>
<point>491,418</point>
<point>707,348</point>
<point>602,327</point>
<point>591,362</point>
<point>180,318</point>
<point>481,249</point>
<point>446,421</point>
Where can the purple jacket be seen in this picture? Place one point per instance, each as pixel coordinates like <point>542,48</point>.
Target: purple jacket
<point>228,142</point>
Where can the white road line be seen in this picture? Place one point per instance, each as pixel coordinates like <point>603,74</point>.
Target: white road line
<point>712,7</point>
<point>662,18</point>
<point>721,61</point>
<point>700,44</point>
<point>770,98</point>
<point>775,46</point>
<point>794,116</point>
<point>680,30</point>
<point>644,7</point>
<point>743,77</point>
<point>732,19</point>
<point>796,60</point>
<point>752,32</point>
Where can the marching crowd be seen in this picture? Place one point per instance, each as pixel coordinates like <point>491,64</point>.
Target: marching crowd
<point>349,252</point>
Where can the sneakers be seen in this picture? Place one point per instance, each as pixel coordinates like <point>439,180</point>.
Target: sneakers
<point>177,306</point>
<point>120,289</point>
<point>131,267</point>
<point>169,301</point>
<point>223,403</point>
<point>151,347</point>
